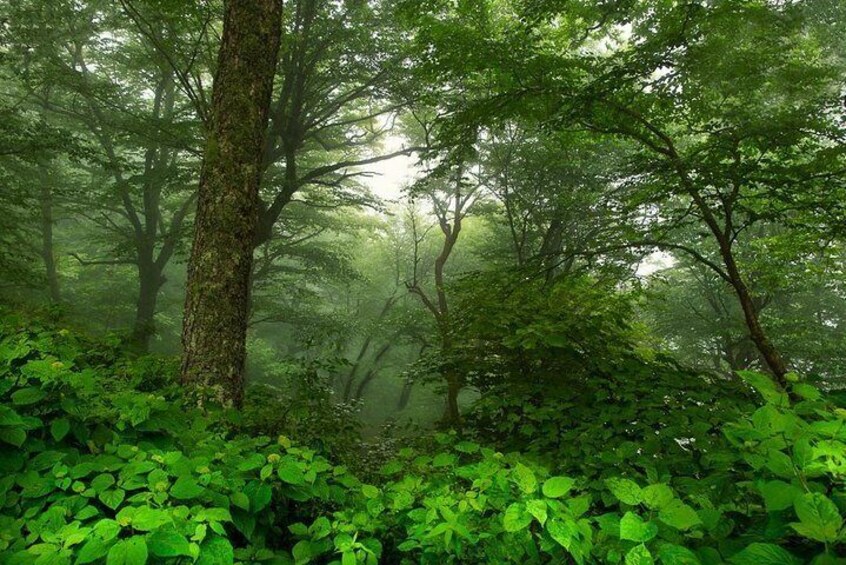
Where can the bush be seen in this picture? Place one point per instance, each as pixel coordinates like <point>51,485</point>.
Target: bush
<point>102,460</point>
<point>95,466</point>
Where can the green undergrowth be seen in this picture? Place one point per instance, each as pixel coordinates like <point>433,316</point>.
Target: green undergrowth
<point>103,461</point>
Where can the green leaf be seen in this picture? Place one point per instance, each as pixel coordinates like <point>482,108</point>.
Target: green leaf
<point>27,396</point>
<point>556,487</point>
<point>765,386</point>
<point>626,491</point>
<point>679,515</point>
<point>671,554</point>
<point>59,428</point>
<point>132,551</point>
<point>444,460</point>
<point>763,554</point>
<point>168,543</point>
<point>806,391</point>
<point>639,555</point>
<point>102,482</point>
<point>609,523</point>
<point>13,436</point>
<point>241,500</point>
<point>467,447</point>
<point>348,558</point>
<point>260,495</point>
<point>579,505</point>
<point>344,542</point>
<point>302,551</point>
<point>299,529</point>
<point>819,518</point>
<point>96,548</point>
<point>266,471</point>
<point>112,498</point>
<point>516,518</point>
<point>633,528</point>
<point>525,478</point>
<point>107,529</point>
<point>216,551</point>
<point>290,473</point>
<point>537,508</point>
<point>9,417</point>
<point>657,496</point>
<point>778,495</point>
<point>147,519</point>
<point>369,491</point>
<point>564,531</point>
<point>86,513</point>
<point>186,488</point>
<point>213,515</point>
<point>780,464</point>
<point>321,528</point>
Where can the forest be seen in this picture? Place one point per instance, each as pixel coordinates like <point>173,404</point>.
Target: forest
<point>340,282</point>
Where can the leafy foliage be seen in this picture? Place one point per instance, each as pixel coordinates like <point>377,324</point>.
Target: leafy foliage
<point>104,462</point>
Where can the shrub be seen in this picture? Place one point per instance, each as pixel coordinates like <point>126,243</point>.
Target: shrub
<point>102,460</point>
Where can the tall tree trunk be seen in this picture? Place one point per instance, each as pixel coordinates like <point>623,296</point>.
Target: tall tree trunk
<point>47,253</point>
<point>452,416</point>
<point>217,300</point>
<point>150,281</point>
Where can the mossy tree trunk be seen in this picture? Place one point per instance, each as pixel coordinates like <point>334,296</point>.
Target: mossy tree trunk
<point>216,306</point>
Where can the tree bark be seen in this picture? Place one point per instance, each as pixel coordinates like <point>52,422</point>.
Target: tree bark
<point>217,300</point>
<point>768,351</point>
<point>725,235</point>
<point>150,281</point>
<point>452,415</point>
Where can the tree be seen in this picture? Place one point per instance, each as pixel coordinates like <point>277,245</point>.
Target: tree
<point>696,315</point>
<point>729,122</point>
<point>336,98</point>
<point>452,195</point>
<point>721,148</point>
<point>123,97</point>
<point>218,287</point>
<point>555,201</point>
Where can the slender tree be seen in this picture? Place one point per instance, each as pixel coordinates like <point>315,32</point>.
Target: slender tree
<point>452,200</point>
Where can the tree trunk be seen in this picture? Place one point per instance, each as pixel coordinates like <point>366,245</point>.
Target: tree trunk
<point>775,362</point>
<point>371,374</point>
<point>150,281</point>
<point>218,286</point>
<point>405,395</point>
<point>47,253</point>
<point>452,416</point>
<point>769,353</point>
